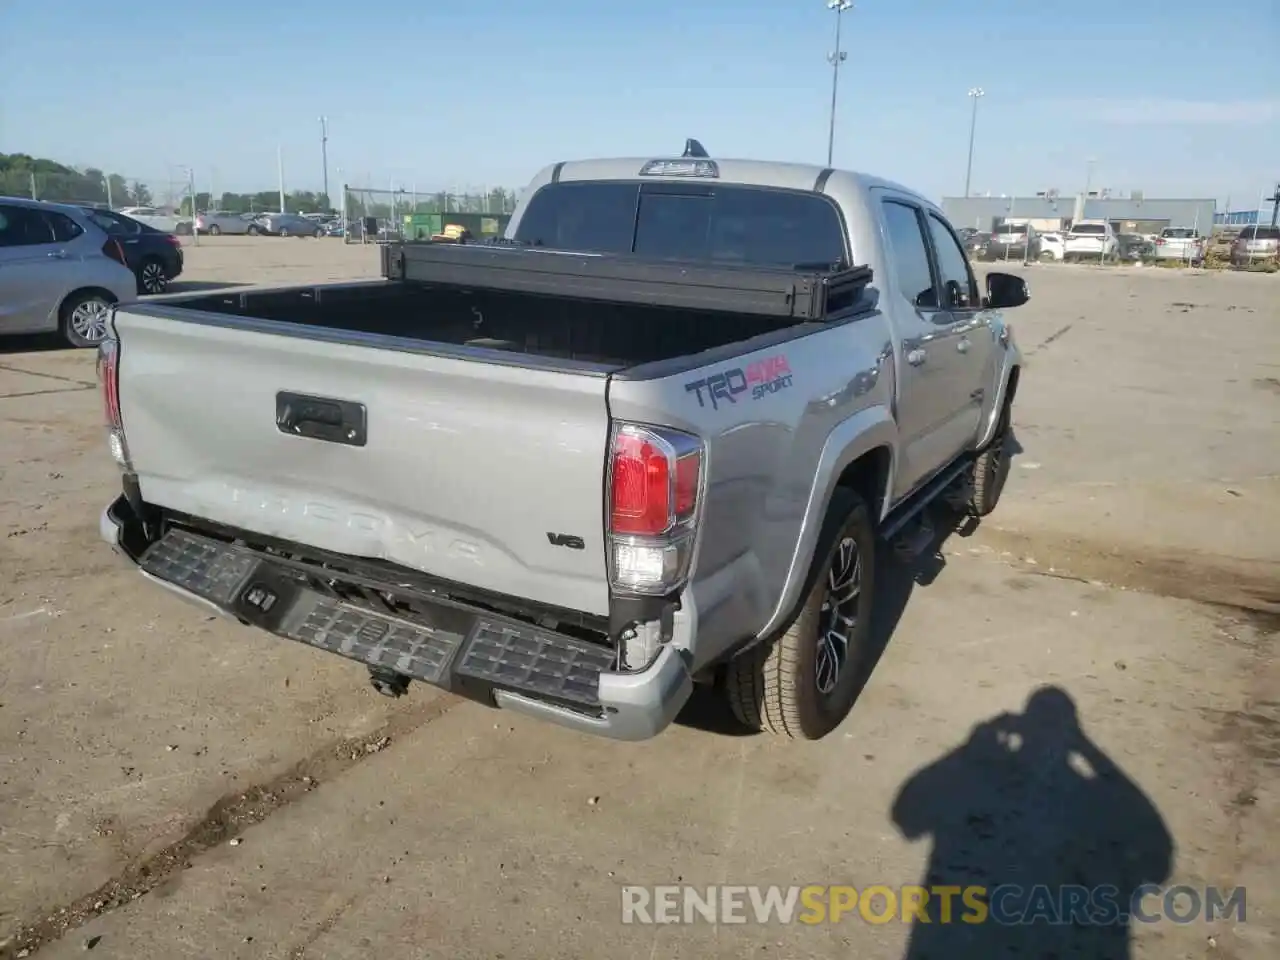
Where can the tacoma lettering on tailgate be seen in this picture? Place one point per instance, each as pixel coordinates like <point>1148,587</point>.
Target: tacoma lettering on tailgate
<point>761,378</point>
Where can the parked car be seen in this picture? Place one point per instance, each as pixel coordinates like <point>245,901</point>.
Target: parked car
<point>1134,247</point>
<point>287,225</point>
<point>217,222</point>
<point>157,218</point>
<point>1179,243</point>
<point>155,257</point>
<point>1091,240</point>
<point>59,271</point>
<point>1014,241</point>
<point>713,486</point>
<point>1255,244</point>
<point>978,245</point>
<point>1053,247</point>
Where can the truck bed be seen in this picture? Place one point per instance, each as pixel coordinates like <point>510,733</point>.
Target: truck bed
<point>606,312</point>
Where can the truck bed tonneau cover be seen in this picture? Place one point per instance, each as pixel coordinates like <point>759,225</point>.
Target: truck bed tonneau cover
<point>799,294</point>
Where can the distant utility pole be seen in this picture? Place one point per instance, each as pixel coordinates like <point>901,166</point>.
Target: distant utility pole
<point>1275,205</point>
<point>975,94</point>
<point>324,157</point>
<point>280,173</point>
<point>835,58</point>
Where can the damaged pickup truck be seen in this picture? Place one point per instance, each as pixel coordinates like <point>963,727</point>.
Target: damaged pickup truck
<point>655,436</point>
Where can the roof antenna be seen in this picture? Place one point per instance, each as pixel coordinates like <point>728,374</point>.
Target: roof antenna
<point>692,148</point>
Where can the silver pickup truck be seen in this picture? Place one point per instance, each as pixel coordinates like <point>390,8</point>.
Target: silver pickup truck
<point>654,436</point>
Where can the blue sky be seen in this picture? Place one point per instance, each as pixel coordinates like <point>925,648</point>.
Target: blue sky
<point>1174,97</point>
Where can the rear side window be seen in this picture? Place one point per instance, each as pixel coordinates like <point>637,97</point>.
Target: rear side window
<point>910,254</point>
<point>64,228</point>
<point>960,290</point>
<point>23,227</point>
<point>729,224</point>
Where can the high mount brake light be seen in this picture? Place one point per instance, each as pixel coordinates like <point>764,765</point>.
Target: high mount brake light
<point>680,168</point>
<point>655,484</point>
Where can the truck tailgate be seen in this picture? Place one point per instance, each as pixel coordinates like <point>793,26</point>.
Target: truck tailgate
<point>465,470</point>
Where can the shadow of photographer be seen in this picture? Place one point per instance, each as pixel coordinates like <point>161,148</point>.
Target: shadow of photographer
<point>1031,804</point>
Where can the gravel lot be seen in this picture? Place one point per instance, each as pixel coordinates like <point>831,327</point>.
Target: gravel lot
<point>179,787</point>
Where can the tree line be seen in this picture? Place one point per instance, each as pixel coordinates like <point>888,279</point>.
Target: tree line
<point>22,175</point>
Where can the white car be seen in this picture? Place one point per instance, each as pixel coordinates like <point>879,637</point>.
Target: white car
<point>1052,247</point>
<point>154,217</point>
<point>1091,240</point>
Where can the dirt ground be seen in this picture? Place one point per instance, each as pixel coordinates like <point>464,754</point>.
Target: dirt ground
<point>175,787</point>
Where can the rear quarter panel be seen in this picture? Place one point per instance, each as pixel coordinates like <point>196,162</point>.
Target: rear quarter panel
<point>768,418</point>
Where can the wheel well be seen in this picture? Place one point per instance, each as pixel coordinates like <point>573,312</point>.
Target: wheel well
<point>868,476</point>
<point>111,297</point>
<point>1013,385</point>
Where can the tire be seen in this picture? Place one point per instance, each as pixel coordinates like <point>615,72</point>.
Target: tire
<point>214,230</point>
<point>83,317</point>
<point>253,230</point>
<point>991,469</point>
<point>284,231</point>
<point>151,277</point>
<point>319,234</point>
<point>784,685</point>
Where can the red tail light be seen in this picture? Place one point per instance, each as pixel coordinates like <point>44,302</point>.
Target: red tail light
<point>655,481</point>
<point>109,381</point>
<point>655,486</point>
<point>173,240</point>
<point>113,250</point>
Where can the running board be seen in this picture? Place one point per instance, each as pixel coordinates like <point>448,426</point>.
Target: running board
<point>907,511</point>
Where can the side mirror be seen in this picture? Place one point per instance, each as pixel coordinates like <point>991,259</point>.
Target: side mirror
<point>1005,290</point>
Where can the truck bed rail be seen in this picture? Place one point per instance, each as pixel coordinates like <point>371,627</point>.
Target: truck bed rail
<point>797,294</point>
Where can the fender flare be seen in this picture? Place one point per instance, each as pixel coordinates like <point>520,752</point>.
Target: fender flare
<point>1009,368</point>
<point>860,434</point>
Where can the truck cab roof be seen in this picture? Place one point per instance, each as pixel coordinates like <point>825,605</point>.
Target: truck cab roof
<point>758,173</point>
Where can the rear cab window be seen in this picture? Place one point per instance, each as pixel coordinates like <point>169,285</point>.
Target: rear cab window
<point>719,223</point>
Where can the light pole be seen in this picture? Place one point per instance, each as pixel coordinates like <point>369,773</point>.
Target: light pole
<point>835,58</point>
<point>975,94</point>
<point>324,157</point>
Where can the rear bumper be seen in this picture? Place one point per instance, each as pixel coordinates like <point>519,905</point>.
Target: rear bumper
<point>465,650</point>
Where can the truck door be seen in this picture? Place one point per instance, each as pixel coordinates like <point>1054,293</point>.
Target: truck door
<point>974,352</point>
<point>932,405</point>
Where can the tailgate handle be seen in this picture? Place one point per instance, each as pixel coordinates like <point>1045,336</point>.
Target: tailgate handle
<point>321,418</point>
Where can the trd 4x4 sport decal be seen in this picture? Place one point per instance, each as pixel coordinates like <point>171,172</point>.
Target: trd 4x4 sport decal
<point>761,378</point>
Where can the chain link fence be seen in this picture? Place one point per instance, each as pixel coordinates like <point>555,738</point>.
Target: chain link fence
<point>382,216</point>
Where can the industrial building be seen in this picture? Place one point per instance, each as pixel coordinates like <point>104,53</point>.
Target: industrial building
<point>1050,211</point>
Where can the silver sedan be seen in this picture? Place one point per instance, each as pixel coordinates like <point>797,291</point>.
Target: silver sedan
<point>59,271</point>
<point>288,225</point>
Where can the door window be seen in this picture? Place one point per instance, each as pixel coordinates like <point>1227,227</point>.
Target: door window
<point>959,290</point>
<point>64,228</point>
<point>910,254</point>
<point>23,227</point>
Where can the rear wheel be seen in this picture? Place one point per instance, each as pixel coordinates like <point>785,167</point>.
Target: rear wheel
<point>318,234</point>
<point>83,318</point>
<point>803,683</point>
<point>253,230</point>
<point>214,230</point>
<point>151,276</point>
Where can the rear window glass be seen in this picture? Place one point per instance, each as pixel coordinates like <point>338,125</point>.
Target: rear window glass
<point>1260,233</point>
<point>1013,228</point>
<point>729,224</point>
<point>1088,228</point>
